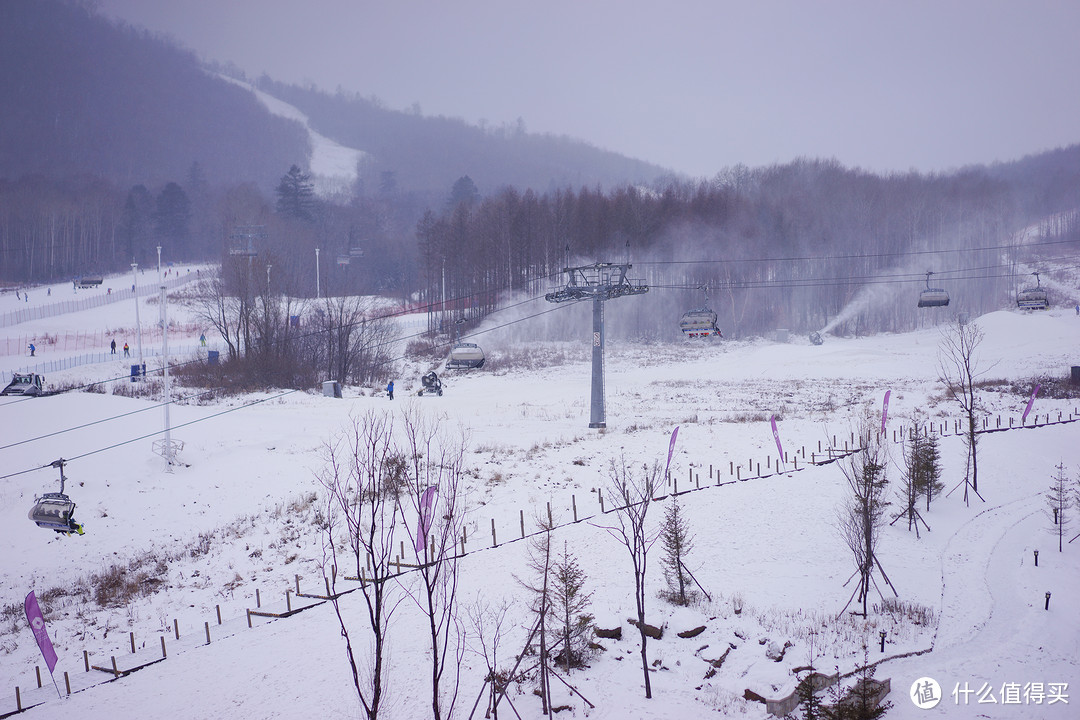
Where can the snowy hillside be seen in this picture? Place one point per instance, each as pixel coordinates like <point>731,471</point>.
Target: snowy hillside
<point>244,513</point>
<point>332,165</point>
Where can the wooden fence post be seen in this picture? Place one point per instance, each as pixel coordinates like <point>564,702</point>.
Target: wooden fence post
<point>218,607</point>
<point>573,504</point>
<point>163,646</point>
<point>494,542</point>
<point>132,636</point>
<point>176,628</point>
<point>521,515</point>
<point>207,626</point>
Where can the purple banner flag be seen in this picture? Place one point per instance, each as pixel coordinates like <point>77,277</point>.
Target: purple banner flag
<point>671,449</point>
<point>426,501</point>
<point>776,436</point>
<point>1030,403</point>
<point>37,624</point>
<point>885,411</point>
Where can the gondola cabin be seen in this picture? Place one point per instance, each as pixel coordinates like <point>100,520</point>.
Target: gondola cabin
<point>1033,298</point>
<point>933,297</point>
<point>465,356</point>
<point>700,323</point>
<point>54,511</point>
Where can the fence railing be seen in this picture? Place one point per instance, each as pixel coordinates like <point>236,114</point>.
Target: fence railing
<point>97,298</point>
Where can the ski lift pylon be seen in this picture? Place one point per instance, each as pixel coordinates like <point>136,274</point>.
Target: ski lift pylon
<point>933,297</point>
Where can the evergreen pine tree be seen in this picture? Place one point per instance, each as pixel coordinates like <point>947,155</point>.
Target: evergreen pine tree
<point>676,541</point>
<point>296,194</point>
<point>569,605</point>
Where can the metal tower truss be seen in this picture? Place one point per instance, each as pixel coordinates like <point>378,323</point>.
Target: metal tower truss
<point>598,282</point>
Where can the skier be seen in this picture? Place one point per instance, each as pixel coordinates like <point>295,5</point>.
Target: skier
<point>112,347</point>
<point>202,340</point>
<point>32,349</point>
<point>390,389</point>
<point>126,352</point>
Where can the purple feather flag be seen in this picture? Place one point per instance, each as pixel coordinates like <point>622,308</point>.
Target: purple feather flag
<point>37,624</point>
<point>422,528</point>
<point>885,411</point>
<point>1030,403</point>
<point>776,436</point>
<point>671,449</point>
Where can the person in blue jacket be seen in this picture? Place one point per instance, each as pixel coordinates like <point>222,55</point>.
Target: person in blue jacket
<point>390,389</point>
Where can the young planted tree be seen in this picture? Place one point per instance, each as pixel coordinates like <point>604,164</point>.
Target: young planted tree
<point>434,494</point>
<point>1059,499</point>
<point>540,562</point>
<point>959,372</point>
<point>922,473</point>
<point>676,542</point>
<point>489,624</point>
<point>570,603</point>
<point>361,477</point>
<point>862,517</point>
<point>632,492</point>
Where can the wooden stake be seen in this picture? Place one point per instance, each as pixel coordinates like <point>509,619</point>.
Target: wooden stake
<point>218,607</point>
<point>573,504</point>
<point>86,660</point>
<point>207,626</point>
<point>494,541</point>
<point>258,601</point>
<point>521,515</point>
<point>249,625</point>
<point>163,639</point>
<point>176,628</point>
<point>288,596</point>
<point>67,683</point>
<point>37,669</point>
<point>116,673</point>
<point>131,635</point>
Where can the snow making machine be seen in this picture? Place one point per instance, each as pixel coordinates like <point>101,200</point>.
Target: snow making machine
<point>432,385</point>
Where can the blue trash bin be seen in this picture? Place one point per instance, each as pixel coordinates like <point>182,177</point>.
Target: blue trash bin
<point>137,372</point>
<point>212,357</point>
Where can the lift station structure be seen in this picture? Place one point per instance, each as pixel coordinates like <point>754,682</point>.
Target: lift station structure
<point>597,282</point>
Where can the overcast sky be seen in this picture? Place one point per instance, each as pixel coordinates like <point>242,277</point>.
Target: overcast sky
<point>692,85</point>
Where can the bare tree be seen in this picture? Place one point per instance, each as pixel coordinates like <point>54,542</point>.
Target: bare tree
<point>489,624</point>
<point>1058,499</point>
<point>352,341</point>
<point>959,372</point>
<point>435,496</point>
<point>362,477</point>
<point>862,517</point>
<point>633,494</point>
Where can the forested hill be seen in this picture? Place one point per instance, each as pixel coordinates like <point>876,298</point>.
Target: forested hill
<point>83,96</point>
<point>422,154</point>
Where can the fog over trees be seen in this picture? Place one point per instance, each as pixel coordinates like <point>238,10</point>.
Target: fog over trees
<point>479,217</point>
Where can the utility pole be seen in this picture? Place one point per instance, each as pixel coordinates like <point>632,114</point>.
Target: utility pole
<point>598,282</point>
<point>138,325</point>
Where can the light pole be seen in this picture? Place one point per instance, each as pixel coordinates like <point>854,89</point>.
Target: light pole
<point>138,325</point>
<point>268,266</point>
<point>317,289</point>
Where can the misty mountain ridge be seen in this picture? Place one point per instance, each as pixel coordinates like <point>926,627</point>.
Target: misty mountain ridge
<point>86,96</point>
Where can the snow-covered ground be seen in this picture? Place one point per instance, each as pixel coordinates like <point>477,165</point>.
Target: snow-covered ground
<point>241,516</point>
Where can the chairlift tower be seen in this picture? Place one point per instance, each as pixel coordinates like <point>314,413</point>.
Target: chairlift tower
<point>598,282</point>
